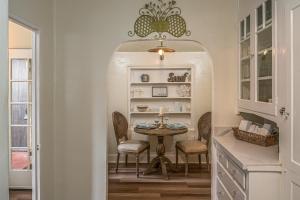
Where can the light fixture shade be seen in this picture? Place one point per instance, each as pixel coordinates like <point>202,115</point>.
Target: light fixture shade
<point>165,49</point>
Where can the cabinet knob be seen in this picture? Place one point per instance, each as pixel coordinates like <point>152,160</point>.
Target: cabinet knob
<point>284,113</point>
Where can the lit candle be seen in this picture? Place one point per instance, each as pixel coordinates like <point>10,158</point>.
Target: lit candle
<point>161,110</point>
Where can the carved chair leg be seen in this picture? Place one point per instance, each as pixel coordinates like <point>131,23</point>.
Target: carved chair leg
<point>199,157</point>
<point>186,164</point>
<point>207,160</point>
<point>126,160</point>
<point>148,155</point>
<point>176,157</point>
<point>117,164</point>
<point>137,165</point>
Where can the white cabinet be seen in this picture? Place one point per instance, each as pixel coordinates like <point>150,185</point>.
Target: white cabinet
<point>244,171</point>
<point>257,57</point>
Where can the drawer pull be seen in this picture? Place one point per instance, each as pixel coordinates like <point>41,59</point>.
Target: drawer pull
<point>220,194</point>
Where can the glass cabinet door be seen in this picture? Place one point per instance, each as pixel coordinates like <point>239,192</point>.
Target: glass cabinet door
<point>268,13</point>
<point>245,43</point>
<point>264,57</point>
<point>242,30</point>
<point>257,58</point>
<point>248,26</point>
<point>259,17</point>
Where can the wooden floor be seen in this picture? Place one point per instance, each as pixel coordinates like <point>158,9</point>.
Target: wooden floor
<point>20,195</point>
<point>125,185</point>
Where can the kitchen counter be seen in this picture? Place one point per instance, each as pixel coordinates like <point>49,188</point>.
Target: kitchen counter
<point>249,157</point>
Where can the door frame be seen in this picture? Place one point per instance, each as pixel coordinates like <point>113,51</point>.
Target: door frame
<point>3,99</point>
<point>19,178</point>
<point>35,104</point>
<point>286,54</point>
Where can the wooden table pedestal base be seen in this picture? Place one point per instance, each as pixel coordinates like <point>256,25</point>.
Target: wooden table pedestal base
<point>160,163</point>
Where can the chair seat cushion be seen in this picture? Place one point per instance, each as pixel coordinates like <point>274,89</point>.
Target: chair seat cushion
<point>132,146</point>
<point>192,146</point>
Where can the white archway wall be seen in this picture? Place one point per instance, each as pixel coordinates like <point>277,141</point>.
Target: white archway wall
<point>87,33</point>
<point>117,84</point>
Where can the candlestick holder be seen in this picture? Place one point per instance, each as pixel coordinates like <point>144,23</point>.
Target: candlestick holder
<point>162,124</point>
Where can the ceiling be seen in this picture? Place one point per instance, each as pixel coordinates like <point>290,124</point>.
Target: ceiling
<point>145,45</point>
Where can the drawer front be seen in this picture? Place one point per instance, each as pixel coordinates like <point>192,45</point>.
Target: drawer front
<point>221,193</point>
<point>222,159</point>
<point>231,187</point>
<point>237,174</point>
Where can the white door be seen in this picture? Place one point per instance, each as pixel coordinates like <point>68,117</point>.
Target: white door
<point>290,123</point>
<point>20,118</point>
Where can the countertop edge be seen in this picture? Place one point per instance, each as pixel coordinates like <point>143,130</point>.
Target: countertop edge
<point>259,167</point>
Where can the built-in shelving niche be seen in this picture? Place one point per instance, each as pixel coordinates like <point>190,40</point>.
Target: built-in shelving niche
<point>177,103</point>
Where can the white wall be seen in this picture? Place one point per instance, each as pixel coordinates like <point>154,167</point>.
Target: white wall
<point>87,32</point>
<point>39,14</point>
<point>3,100</point>
<point>19,37</point>
<point>117,83</point>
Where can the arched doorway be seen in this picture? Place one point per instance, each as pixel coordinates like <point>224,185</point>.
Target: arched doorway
<point>126,92</point>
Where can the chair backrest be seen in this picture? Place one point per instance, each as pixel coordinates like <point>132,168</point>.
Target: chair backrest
<point>204,127</point>
<point>120,126</point>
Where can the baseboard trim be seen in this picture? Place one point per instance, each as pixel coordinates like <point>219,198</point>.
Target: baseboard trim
<point>143,158</point>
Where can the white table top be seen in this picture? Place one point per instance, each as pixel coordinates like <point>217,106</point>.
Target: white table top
<point>248,156</point>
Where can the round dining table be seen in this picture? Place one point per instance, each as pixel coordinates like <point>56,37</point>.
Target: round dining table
<point>160,162</point>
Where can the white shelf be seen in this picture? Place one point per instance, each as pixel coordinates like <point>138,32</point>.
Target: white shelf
<point>160,98</point>
<point>261,29</point>
<point>245,39</point>
<point>161,83</point>
<point>263,50</point>
<point>245,80</point>
<point>173,102</point>
<point>156,113</point>
<point>264,78</point>
<point>245,58</point>
<point>161,68</point>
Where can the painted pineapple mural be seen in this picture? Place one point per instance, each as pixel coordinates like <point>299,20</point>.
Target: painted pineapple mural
<point>161,17</point>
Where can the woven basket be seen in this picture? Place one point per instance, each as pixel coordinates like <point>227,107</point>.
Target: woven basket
<point>254,138</point>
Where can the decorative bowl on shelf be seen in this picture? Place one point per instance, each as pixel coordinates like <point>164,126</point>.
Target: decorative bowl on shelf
<point>142,108</point>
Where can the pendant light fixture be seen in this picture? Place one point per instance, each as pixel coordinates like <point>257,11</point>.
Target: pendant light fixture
<point>161,50</point>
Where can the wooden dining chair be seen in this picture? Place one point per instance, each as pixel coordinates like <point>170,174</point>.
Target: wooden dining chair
<point>126,146</point>
<point>199,146</point>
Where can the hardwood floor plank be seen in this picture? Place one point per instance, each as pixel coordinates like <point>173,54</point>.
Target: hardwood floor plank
<point>20,195</point>
<point>125,185</point>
